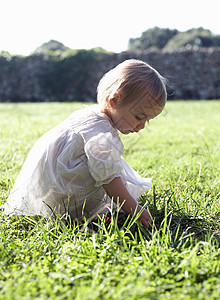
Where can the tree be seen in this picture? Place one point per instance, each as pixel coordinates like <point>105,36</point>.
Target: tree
<point>193,38</point>
<point>171,39</point>
<point>52,45</point>
<point>154,38</point>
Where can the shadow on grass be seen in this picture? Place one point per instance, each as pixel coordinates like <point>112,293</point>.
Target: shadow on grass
<point>173,226</point>
<point>176,225</point>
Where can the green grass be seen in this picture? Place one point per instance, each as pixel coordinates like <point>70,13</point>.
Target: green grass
<point>118,259</point>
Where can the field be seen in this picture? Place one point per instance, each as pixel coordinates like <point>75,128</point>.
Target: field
<point>178,259</point>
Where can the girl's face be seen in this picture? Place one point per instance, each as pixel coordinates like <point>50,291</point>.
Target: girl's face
<point>132,117</point>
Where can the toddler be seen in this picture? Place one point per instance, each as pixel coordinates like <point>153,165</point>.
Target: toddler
<point>77,167</point>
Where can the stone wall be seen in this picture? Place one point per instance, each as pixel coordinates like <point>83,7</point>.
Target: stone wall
<point>191,75</point>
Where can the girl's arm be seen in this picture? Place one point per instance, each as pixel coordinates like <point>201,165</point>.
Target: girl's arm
<point>117,190</point>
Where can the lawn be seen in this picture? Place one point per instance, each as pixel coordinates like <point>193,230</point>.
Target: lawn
<point>178,259</point>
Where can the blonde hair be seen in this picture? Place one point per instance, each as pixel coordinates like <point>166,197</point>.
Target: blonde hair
<point>132,80</point>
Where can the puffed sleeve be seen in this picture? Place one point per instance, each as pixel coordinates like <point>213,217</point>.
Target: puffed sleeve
<point>104,157</point>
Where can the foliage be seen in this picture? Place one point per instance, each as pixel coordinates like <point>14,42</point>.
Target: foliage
<point>193,38</point>
<point>52,45</point>
<point>55,48</point>
<point>114,257</point>
<point>75,69</point>
<point>167,39</point>
<point>6,55</point>
<point>152,39</point>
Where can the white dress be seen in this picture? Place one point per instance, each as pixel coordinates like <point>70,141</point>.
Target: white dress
<point>66,168</point>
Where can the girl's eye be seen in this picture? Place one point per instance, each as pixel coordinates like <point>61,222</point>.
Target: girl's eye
<point>138,118</point>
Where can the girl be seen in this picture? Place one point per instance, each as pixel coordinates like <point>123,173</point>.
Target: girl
<point>77,168</point>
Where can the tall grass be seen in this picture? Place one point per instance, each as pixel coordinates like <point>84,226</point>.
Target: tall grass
<point>115,257</point>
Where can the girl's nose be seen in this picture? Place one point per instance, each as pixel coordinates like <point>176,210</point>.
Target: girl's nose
<point>142,124</point>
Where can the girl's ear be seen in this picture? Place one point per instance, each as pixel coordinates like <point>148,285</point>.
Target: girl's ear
<point>114,101</point>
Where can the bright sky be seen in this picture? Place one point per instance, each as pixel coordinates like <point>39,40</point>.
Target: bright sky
<point>84,24</point>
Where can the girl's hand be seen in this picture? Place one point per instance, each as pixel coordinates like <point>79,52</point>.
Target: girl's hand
<point>145,219</point>
<point>117,190</point>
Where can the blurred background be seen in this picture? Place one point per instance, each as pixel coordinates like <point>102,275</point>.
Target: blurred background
<point>59,50</point>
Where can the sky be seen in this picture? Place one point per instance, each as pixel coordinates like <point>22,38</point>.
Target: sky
<point>85,24</point>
